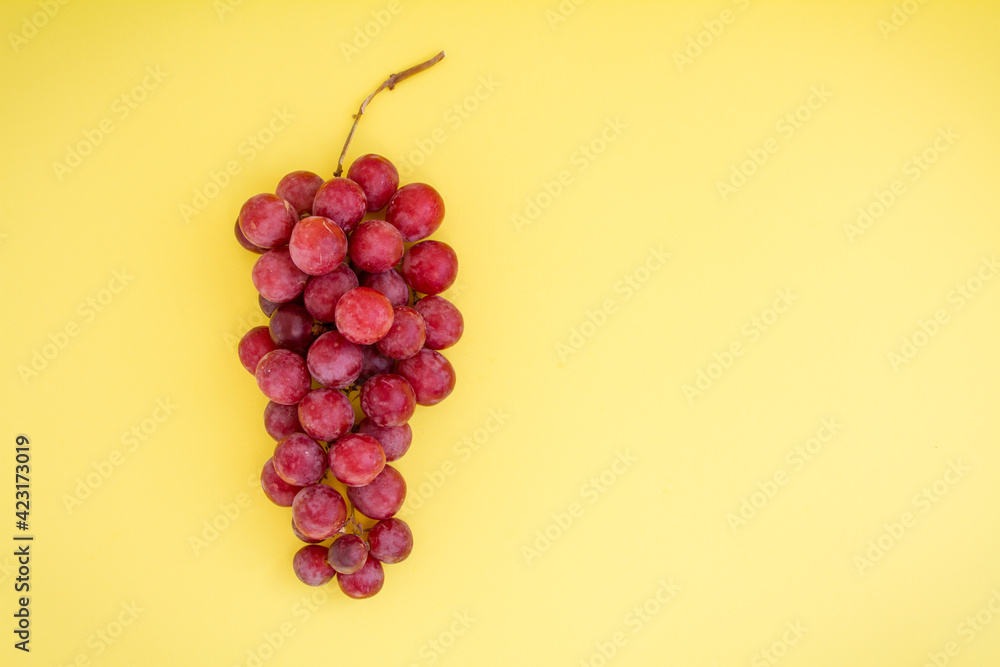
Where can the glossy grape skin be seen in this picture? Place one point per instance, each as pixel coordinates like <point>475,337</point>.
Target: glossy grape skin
<point>299,460</point>
<point>319,512</point>
<point>364,583</point>
<point>363,315</point>
<point>347,554</point>
<point>406,335</point>
<point>307,540</point>
<point>283,377</point>
<point>245,242</point>
<point>390,284</point>
<point>267,307</point>
<point>383,497</point>
<point>266,220</point>
<point>443,322</point>
<point>390,541</point>
<point>356,459</point>
<point>299,188</point>
<point>377,177</point>
<point>276,277</point>
<point>334,361</point>
<point>326,414</point>
<point>317,245</point>
<point>291,327</point>
<point>376,246</point>
<point>430,267</point>
<point>430,374</point>
<point>253,346</point>
<point>395,440</point>
<point>280,421</point>
<point>416,210</point>
<point>277,490</point>
<point>310,566</point>
<point>323,292</point>
<point>373,362</point>
<point>341,200</point>
<point>388,399</point>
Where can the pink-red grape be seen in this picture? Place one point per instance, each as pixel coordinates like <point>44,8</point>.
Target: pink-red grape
<point>364,583</point>
<point>323,292</point>
<point>356,459</point>
<point>347,554</point>
<point>430,267</point>
<point>283,377</point>
<point>395,440</point>
<point>388,399</point>
<point>299,189</point>
<point>277,490</point>
<point>341,200</point>
<point>245,242</point>
<point>390,540</point>
<point>334,361</point>
<point>376,246</point>
<point>267,307</point>
<point>383,497</point>
<point>406,335</point>
<point>390,284</point>
<point>253,346</point>
<point>443,322</point>
<point>318,512</point>
<point>280,421</point>
<point>276,277</point>
<point>430,374</point>
<point>311,567</point>
<point>299,460</point>
<point>416,210</point>
<point>326,414</point>
<point>363,315</point>
<point>266,220</point>
<point>291,327</point>
<point>377,177</point>
<point>317,245</point>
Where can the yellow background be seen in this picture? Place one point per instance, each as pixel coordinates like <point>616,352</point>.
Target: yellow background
<point>525,290</point>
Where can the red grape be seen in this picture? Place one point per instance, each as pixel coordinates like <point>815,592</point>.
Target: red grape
<point>299,189</point>
<point>276,277</point>
<point>356,459</point>
<point>430,267</point>
<point>377,177</point>
<point>283,377</point>
<point>430,374</point>
<point>277,490</point>
<point>363,315</point>
<point>347,554</point>
<point>341,200</point>
<point>323,292</point>
<point>280,421</point>
<point>318,512</point>
<point>373,363</point>
<point>299,460</point>
<point>317,245</point>
<point>326,414</point>
<point>442,321</point>
<point>311,567</point>
<point>383,497</point>
<point>388,399</point>
<point>253,346</point>
<point>395,440</point>
<point>267,307</point>
<point>245,242</point>
<point>416,210</point>
<point>390,284</point>
<point>266,220</point>
<point>406,335</point>
<point>390,540</point>
<point>291,327</point>
<point>376,246</point>
<point>334,361</point>
<point>364,583</point>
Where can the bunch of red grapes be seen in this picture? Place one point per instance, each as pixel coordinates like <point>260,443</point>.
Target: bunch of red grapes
<point>349,334</point>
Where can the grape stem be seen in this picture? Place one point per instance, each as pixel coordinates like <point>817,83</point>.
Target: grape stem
<point>389,83</point>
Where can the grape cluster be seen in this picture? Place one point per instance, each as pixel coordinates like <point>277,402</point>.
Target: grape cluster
<point>348,335</point>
